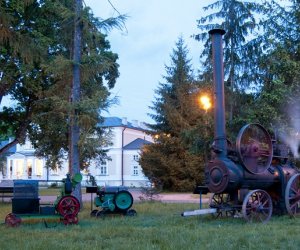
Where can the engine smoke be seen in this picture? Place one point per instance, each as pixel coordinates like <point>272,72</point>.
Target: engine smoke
<point>293,139</point>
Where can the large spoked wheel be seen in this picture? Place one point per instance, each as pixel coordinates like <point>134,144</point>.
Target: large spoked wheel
<point>223,205</point>
<point>254,147</point>
<point>68,205</point>
<point>292,195</point>
<point>257,206</point>
<point>123,200</point>
<point>12,220</point>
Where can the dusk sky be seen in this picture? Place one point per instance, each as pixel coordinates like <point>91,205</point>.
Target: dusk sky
<point>153,28</point>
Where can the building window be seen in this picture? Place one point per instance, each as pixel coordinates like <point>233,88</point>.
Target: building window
<point>29,168</point>
<point>39,167</point>
<point>135,157</point>
<point>19,168</point>
<point>135,170</point>
<point>103,169</point>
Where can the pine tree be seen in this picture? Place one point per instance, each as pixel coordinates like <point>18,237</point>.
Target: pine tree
<point>171,159</point>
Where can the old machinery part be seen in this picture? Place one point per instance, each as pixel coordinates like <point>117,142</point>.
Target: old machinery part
<point>131,212</point>
<point>94,212</point>
<point>68,205</point>
<point>70,219</point>
<point>101,214</point>
<point>257,206</point>
<point>123,200</point>
<point>222,175</point>
<point>223,204</point>
<point>292,195</point>
<point>254,146</point>
<point>12,220</point>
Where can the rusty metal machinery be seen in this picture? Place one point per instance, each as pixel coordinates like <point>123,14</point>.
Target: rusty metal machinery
<point>252,178</point>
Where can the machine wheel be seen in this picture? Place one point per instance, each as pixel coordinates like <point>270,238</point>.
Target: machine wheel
<point>131,212</point>
<point>94,212</point>
<point>257,206</point>
<point>100,214</point>
<point>69,219</point>
<point>68,205</point>
<point>222,203</point>
<point>254,147</point>
<point>12,220</point>
<point>123,200</point>
<point>292,195</point>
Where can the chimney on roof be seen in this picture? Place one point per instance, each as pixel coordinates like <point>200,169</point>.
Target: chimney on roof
<point>124,121</point>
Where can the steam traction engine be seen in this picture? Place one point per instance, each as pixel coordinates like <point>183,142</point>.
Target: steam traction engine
<point>252,178</point>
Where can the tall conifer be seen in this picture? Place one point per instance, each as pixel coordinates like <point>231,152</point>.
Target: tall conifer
<point>170,159</point>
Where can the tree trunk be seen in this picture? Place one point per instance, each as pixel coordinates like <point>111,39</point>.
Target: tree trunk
<point>75,98</point>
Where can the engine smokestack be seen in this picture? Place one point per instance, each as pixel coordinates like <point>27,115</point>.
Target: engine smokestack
<point>219,98</point>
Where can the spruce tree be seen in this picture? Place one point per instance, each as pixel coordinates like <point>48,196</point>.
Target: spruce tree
<point>171,158</point>
<point>237,18</point>
<point>278,67</point>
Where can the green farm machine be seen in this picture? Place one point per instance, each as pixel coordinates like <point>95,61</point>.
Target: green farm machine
<point>111,200</point>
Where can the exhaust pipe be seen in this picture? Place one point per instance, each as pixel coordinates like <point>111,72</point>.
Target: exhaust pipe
<point>220,146</point>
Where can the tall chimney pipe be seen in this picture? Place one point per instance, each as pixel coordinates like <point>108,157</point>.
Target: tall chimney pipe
<point>219,102</point>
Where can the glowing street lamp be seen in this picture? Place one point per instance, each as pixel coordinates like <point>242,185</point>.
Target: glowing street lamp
<point>205,102</point>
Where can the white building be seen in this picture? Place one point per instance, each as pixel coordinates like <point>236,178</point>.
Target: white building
<point>123,169</point>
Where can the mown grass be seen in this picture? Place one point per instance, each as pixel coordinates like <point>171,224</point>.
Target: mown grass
<point>157,226</point>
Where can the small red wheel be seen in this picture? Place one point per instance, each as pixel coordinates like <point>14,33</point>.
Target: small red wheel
<point>69,219</point>
<point>68,205</point>
<point>12,220</point>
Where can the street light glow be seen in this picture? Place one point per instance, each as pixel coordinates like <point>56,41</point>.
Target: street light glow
<point>205,102</point>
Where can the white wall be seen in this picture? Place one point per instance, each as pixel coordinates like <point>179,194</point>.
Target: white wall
<point>114,174</point>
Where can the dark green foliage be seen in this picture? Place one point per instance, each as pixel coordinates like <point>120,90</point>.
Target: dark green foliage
<point>237,19</point>
<point>261,61</point>
<point>171,163</point>
<point>181,129</point>
<point>261,82</point>
<point>40,84</point>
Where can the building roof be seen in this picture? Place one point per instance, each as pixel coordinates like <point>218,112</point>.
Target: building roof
<point>11,150</point>
<point>118,122</point>
<point>136,144</point>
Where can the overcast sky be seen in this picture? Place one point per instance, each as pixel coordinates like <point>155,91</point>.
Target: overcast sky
<point>153,27</point>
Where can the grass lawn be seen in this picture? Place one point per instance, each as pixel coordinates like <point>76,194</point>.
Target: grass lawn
<point>157,226</point>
